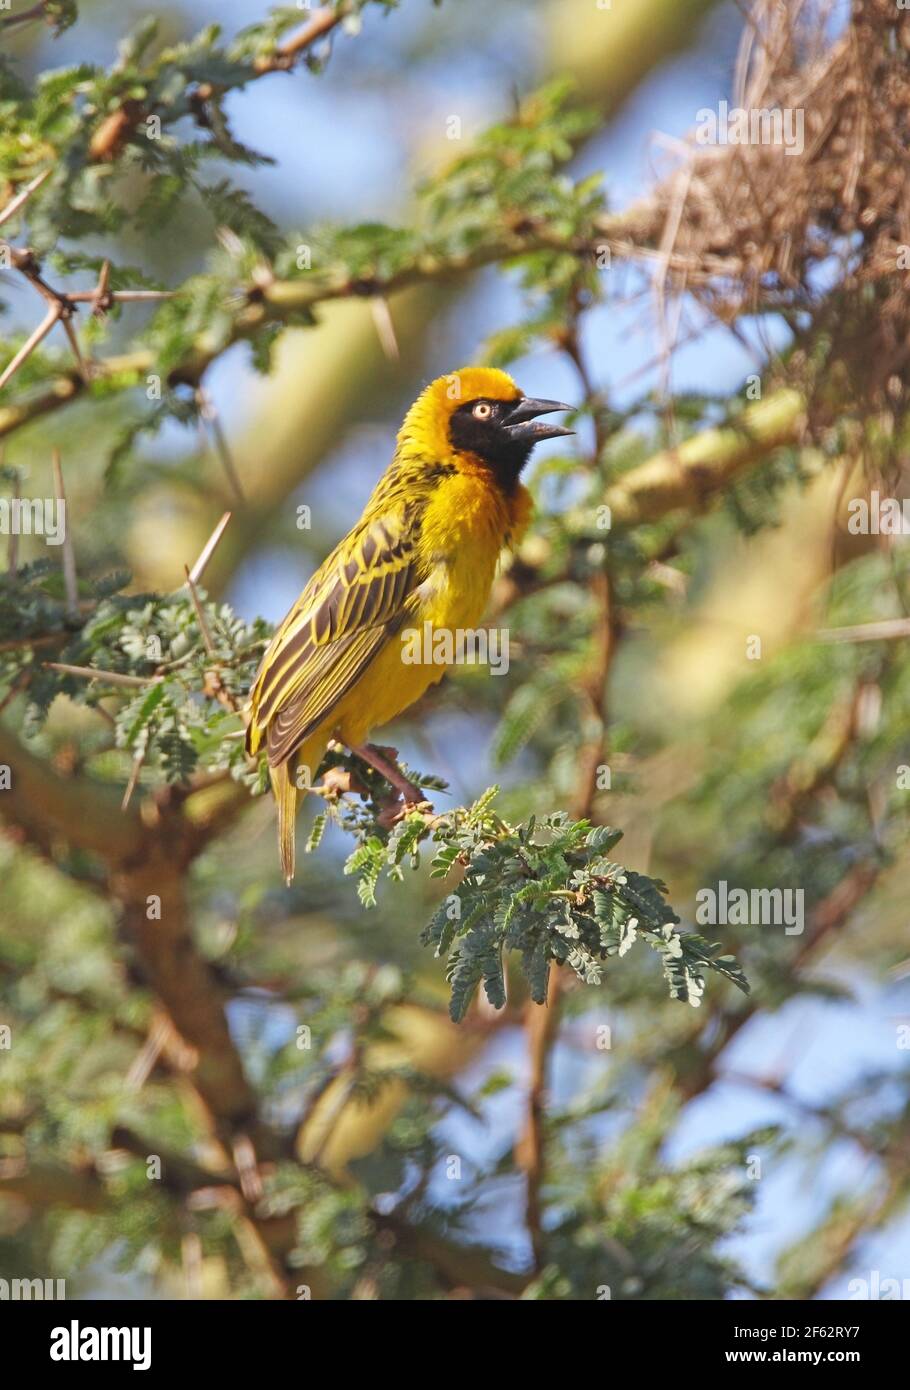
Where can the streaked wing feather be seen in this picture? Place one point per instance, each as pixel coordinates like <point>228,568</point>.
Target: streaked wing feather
<point>346,613</point>
<point>334,669</point>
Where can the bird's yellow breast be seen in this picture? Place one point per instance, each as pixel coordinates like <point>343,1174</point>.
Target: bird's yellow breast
<point>464,527</point>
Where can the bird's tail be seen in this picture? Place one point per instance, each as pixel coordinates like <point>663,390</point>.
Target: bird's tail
<point>288,786</point>
<point>285,790</point>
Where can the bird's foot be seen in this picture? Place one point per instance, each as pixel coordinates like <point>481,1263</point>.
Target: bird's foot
<point>398,810</point>
<point>381,762</point>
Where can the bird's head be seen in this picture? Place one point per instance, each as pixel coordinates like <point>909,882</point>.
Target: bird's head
<point>479,414</point>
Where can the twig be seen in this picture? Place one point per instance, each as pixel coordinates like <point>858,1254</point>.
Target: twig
<point>41,639</point>
<point>91,673</point>
<point>191,1257</point>
<point>20,682</point>
<point>322,23</point>
<point>247,1168</point>
<point>213,685</point>
<point>385,327</point>
<point>885,631</point>
<point>60,306</point>
<point>81,363</point>
<point>57,300</point>
<point>13,552</point>
<point>28,347</point>
<point>133,781</point>
<point>67,387</point>
<point>70,581</point>
<point>679,191</point>
<point>208,550</point>
<point>209,414</point>
<point>101,290</point>
<point>24,194</point>
<point>119,296</point>
<point>25,262</point>
<point>542,1025</point>
<point>775,1086</point>
<point>200,615</point>
<point>147,1056</point>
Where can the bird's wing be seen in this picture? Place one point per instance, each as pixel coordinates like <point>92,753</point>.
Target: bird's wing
<point>355,602</point>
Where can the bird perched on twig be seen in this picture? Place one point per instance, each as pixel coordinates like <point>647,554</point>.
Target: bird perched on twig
<point>424,552</point>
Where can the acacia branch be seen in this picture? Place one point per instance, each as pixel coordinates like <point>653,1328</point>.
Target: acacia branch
<point>26,17</point>
<point>457,1266</point>
<point>690,476</point>
<point>119,125</point>
<point>287,53</point>
<point>287,301</point>
<point>157,924</point>
<point>48,1185</point>
<point>530,1152</point>
<point>146,853</point>
<point>49,808</point>
<point>69,386</point>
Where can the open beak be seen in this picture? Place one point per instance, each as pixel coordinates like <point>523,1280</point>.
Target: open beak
<point>522,424</point>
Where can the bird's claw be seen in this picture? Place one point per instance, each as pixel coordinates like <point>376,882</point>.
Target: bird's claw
<point>400,809</point>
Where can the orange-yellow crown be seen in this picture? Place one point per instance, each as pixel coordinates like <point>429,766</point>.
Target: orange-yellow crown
<point>426,424</point>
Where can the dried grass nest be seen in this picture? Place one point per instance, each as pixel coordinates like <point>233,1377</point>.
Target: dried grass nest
<point>823,236</point>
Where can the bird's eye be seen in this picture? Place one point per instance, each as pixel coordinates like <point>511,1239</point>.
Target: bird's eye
<point>482,411</point>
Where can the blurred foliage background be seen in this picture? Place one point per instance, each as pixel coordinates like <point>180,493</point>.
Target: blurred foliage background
<point>249,1091</point>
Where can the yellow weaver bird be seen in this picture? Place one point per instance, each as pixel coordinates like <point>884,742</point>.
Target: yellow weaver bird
<point>424,552</point>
